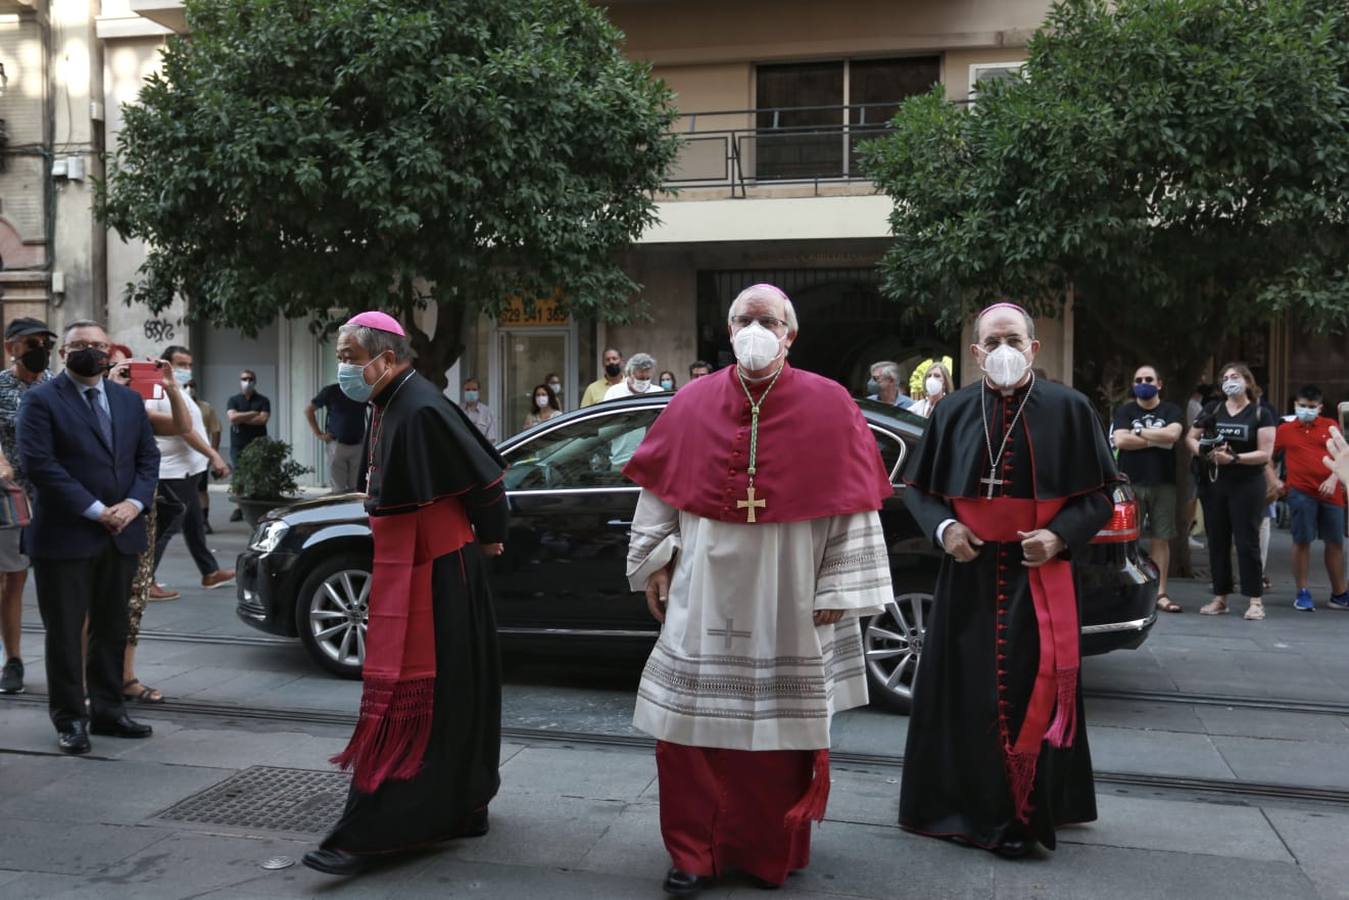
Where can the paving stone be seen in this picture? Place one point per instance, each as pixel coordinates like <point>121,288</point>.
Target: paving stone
<point>120,792</point>
<point>1156,752</point>
<point>1108,873</point>
<point>1261,723</point>
<point>540,829</point>
<point>1317,840</point>
<point>1175,826</point>
<point>1312,763</point>
<point>585,772</point>
<point>65,848</point>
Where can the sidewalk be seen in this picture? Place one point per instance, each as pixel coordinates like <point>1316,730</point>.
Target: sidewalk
<point>578,822</point>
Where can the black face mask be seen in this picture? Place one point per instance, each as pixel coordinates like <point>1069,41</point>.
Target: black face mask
<point>87,362</point>
<point>613,369</point>
<point>37,359</point>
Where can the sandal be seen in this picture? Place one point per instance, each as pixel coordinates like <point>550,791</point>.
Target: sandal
<point>1214,608</point>
<point>1255,612</point>
<point>1166,604</point>
<point>146,694</point>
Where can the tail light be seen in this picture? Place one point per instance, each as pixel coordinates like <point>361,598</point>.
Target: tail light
<point>1122,527</point>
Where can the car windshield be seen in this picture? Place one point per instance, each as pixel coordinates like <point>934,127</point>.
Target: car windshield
<point>587,453</point>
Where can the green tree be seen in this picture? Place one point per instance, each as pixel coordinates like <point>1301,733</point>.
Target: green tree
<point>306,158</point>
<point>1182,165</point>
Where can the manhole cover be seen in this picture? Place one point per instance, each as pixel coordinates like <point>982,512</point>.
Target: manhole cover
<point>268,797</point>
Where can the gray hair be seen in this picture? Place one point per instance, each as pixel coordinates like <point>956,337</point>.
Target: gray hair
<point>376,342</point>
<point>81,323</point>
<point>639,362</point>
<point>1025,317</point>
<point>765,292</point>
<point>887,370</point>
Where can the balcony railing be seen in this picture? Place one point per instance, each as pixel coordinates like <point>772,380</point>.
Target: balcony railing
<point>738,149</point>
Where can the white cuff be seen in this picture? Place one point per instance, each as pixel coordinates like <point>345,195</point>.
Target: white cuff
<point>941,530</point>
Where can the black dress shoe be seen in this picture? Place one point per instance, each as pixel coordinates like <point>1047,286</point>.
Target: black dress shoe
<point>73,738</point>
<point>336,862</point>
<point>1012,848</point>
<point>762,884</point>
<point>683,884</point>
<point>121,727</point>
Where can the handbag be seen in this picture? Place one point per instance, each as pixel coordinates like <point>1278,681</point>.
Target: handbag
<point>14,509</point>
<point>1271,485</point>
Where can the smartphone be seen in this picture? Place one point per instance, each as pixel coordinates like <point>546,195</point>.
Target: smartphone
<point>146,380</point>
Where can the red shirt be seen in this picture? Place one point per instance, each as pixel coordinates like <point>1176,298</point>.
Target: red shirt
<point>1303,447</point>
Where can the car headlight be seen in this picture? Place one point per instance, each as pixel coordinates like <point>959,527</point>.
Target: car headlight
<point>268,536</point>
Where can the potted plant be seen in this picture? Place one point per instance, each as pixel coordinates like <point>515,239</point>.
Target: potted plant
<point>264,478</point>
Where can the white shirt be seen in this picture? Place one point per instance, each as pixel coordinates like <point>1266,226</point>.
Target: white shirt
<point>621,389</point>
<point>177,459</point>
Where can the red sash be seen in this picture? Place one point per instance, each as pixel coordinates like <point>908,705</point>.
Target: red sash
<point>1051,585</point>
<point>398,698</point>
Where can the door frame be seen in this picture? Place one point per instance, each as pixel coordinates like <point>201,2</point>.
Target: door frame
<point>496,395</point>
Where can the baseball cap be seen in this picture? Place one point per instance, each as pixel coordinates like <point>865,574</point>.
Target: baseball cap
<point>22,327</point>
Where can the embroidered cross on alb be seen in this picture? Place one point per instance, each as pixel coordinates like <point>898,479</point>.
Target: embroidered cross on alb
<point>729,633</point>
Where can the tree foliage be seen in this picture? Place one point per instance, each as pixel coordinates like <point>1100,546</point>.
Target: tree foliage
<point>1183,164</point>
<point>305,158</point>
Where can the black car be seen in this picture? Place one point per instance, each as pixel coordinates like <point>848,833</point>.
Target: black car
<point>560,584</point>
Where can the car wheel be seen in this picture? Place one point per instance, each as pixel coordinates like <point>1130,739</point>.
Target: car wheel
<point>893,643</point>
<point>331,613</point>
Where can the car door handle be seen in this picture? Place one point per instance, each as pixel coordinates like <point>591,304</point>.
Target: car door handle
<point>619,523</point>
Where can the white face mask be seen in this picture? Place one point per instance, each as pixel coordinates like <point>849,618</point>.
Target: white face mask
<point>541,402</point>
<point>1234,388</point>
<point>756,348</point>
<point>641,385</point>
<point>934,386</point>
<point>557,388</point>
<point>1006,366</point>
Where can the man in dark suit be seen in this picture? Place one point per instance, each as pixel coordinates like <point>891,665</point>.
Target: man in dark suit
<point>87,446</point>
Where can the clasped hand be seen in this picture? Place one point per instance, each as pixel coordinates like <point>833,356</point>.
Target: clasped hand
<point>1037,547</point>
<point>117,518</point>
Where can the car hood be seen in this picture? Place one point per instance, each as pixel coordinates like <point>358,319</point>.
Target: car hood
<point>321,510</point>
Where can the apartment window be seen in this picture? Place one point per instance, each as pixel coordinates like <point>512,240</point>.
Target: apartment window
<point>991,72</point>
<point>811,116</point>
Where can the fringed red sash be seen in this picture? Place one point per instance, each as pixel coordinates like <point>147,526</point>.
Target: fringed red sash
<point>1055,598</point>
<point>813,803</point>
<point>400,645</point>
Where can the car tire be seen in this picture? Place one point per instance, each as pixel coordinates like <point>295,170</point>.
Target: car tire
<point>331,611</point>
<point>892,644</point>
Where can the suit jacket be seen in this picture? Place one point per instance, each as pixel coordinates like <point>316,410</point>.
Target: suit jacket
<point>71,466</point>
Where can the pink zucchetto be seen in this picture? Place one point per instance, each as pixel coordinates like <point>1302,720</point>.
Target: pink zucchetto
<point>1004,304</point>
<point>380,321</point>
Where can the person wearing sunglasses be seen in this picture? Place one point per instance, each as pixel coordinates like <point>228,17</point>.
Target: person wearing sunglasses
<point>1147,429</point>
<point>29,343</point>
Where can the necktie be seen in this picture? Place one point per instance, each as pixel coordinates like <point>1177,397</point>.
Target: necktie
<point>104,423</point>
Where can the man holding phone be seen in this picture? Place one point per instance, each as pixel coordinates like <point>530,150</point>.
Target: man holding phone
<point>182,461</point>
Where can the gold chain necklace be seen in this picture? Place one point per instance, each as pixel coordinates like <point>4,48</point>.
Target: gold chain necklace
<point>750,504</point>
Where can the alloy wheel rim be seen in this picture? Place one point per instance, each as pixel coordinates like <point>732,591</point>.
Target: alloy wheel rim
<point>893,642</point>
<point>339,612</point>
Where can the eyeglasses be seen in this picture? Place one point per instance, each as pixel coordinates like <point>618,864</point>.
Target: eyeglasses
<point>76,346</point>
<point>1146,379</point>
<point>767,322</point>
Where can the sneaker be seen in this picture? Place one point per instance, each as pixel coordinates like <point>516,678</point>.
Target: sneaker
<point>1196,544</point>
<point>11,677</point>
<point>1304,601</point>
<point>1339,601</point>
<point>217,578</point>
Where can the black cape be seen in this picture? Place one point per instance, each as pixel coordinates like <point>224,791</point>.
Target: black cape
<point>424,450</point>
<point>955,782</point>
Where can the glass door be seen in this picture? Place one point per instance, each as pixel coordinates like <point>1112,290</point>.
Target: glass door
<point>525,357</point>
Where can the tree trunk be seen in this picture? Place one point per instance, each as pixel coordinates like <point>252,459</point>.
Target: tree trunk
<point>436,354</point>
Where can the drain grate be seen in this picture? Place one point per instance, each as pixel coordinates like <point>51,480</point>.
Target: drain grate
<point>270,798</point>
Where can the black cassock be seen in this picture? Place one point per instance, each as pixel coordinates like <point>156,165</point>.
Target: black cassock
<point>426,450</point>
<point>956,782</point>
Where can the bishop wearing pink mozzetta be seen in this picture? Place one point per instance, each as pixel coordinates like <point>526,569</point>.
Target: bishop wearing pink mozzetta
<point>1012,480</point>
<point>757,541</point>
<point>424,753</point>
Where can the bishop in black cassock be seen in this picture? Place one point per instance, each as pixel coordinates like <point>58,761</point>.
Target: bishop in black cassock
<point>997,752</point>
<point>425,751</point>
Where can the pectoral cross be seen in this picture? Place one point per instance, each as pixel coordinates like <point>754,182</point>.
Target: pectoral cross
<point>749,504</point>
<point>992,481</point>
<point>729,633</point>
